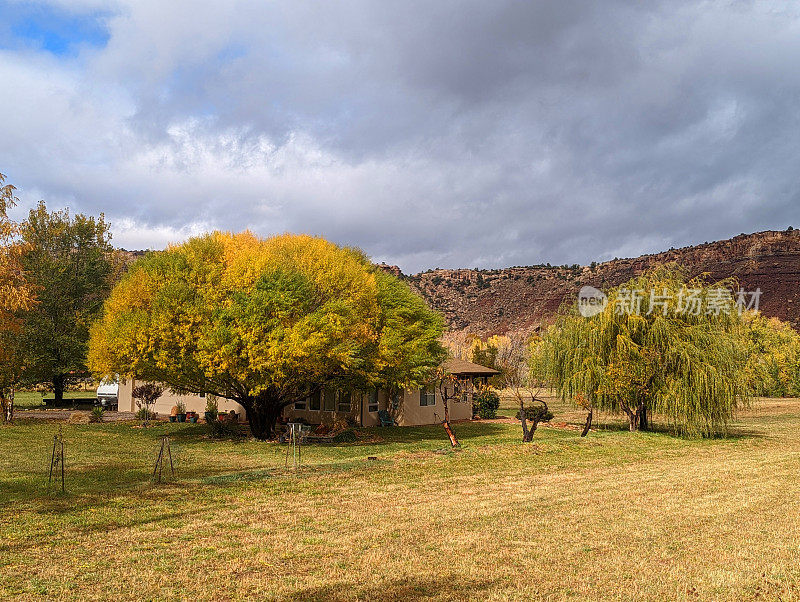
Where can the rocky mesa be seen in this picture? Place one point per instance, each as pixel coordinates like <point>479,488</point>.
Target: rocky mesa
<point>524,299</point>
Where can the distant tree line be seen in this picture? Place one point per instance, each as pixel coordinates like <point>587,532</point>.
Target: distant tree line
<point>56,270</point>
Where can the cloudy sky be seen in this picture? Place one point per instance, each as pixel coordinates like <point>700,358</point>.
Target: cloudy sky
<point>429,133</point>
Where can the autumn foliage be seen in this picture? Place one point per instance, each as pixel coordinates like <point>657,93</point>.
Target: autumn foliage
<point>15,296</point>
<point>264,322</point>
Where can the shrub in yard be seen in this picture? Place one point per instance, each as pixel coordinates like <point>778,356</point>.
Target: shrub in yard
<point>97,414</point>
<point>347,436</point>
<point>145,414</point>
<point>486,403</point>
<point>222,429</point>
<point>212,408</point>
<point>146,395</point>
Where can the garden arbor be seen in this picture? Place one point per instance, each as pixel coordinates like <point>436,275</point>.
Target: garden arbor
<point>265,323</point>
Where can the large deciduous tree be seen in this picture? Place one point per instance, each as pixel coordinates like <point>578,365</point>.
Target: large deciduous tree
<point>68,263</point>
<point>663,344</point>
<point>265,322</point>
<point>15,296</point>
<point>773,365</point>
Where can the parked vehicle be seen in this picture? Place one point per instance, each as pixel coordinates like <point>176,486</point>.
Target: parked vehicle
<point>108,393</point>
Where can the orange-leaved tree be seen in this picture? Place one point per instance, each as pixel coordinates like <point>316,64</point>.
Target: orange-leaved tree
<point>264,322</point>
<point>15,296</point>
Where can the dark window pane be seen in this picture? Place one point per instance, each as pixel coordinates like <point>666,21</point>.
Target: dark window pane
<point>373,401</point>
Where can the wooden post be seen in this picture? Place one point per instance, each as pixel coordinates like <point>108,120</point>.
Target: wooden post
<point>158,469</point>
<point>56,459</point>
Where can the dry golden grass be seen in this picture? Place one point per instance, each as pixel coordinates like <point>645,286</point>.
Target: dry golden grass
<point>614,516</point>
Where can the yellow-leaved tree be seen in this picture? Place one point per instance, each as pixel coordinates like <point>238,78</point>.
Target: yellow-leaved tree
<point>264,322</point>
<point>773,365</point>
<point>15,296</point>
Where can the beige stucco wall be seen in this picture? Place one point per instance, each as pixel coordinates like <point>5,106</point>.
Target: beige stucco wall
<point>193,403</point>
<point>411,413</point>
<point>408,413</point>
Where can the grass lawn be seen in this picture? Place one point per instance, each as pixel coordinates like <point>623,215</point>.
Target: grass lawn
<point>33,399</point>
<point>615,515</point>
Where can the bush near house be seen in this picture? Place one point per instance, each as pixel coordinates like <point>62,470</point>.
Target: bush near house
<point>485,403</point>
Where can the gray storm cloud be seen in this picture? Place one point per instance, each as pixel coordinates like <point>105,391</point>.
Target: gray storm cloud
<point>454,134</point>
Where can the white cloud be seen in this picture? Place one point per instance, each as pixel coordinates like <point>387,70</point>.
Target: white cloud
<point>428,134</point>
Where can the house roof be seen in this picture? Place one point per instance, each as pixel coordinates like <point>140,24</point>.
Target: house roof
<point>465,368</point>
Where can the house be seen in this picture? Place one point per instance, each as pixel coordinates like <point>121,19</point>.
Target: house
<point>409,408</point>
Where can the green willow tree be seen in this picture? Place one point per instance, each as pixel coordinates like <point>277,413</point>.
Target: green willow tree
<point>68,264</point>
<point>265,322</point>
<point>675,350</point>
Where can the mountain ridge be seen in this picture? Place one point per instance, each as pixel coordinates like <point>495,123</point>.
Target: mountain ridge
<point>526,298</point>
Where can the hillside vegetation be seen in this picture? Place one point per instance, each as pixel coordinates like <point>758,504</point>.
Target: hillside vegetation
<point>523,298</point>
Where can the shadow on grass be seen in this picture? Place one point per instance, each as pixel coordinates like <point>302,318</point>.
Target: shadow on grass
<point>734,432</point>
<point>408,588</point>
<point>66,505</point>
<point>433,433</point>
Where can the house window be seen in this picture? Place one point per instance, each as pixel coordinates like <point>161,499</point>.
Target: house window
<point>301,405</point>
<point>329,400</point>
<point>314,401</point>
<point>427,397</point>
<point>372,402</point>
<point>343,402</point>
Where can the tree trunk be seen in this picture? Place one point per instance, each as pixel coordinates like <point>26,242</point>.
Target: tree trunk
<point>262,411</point>
<point>450,433</point>
<point>643,424</point>
<point>58,388</point>
<point>588,424</point>
<point>633,420</point>
<point>7,408</point>
<point>529,437</point>
<point>526,435</point>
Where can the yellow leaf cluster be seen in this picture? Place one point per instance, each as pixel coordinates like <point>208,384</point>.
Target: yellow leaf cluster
<point>234,312</point>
